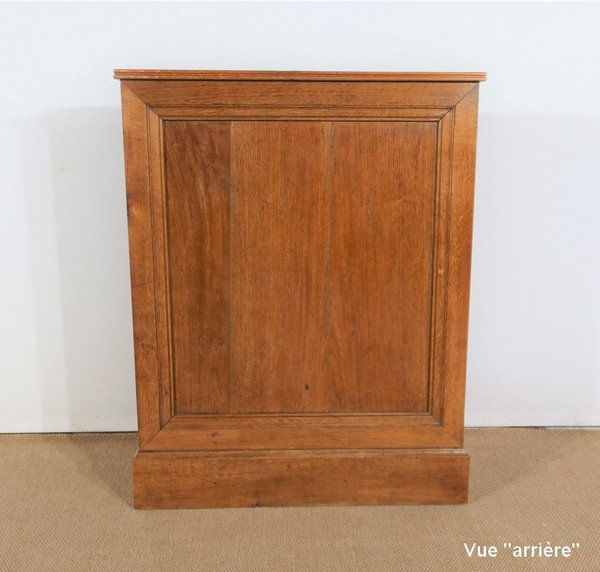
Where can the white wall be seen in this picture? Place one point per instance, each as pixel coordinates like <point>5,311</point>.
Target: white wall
<point>65,334</point>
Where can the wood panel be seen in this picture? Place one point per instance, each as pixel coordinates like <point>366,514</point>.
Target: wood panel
<point>297,478</point>
<point>299,75</point>
<point>143,296</point>
<point>329,273</point>
<point>212,433</point>
<point>300,113</point>
<point>459,261</point>
<point>309,94</point>
<point>438,354</point>
<point>292,241</point>
<point>383,197</point>
<point>198,188</point>
<point>161,274</point>
<point>280,265</point>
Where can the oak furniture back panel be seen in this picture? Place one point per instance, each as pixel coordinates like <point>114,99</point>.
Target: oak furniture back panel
<point>300,251</point>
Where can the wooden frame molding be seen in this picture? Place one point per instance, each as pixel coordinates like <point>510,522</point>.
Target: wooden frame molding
<point>247,458</point>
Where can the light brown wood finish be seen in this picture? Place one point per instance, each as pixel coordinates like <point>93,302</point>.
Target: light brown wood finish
<point>383,191</point>
<point>279,233</point>
<point>299,75</point>
<point>459,260</point>
<point>300,251</point>
<point>198,191</point>
<point>287,479</point>
<point>139,219</point>
<point>275,95</point>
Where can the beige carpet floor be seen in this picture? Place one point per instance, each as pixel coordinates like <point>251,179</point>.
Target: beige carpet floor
<point>65,504</point>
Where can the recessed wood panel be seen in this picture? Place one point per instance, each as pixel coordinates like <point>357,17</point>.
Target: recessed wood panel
<point>383,200</point>
<point>198,191</point>
<point>281,286</point>
<point>300,258</point>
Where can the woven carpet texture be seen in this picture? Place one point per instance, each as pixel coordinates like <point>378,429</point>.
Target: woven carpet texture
<point>66,504</point>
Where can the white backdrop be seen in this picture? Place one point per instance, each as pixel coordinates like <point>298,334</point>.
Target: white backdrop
<point>65,332</point>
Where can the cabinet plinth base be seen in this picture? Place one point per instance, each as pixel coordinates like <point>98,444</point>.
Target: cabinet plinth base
<point>300,478</point>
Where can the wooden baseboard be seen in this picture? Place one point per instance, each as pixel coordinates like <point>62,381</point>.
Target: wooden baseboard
<point>300,478</point>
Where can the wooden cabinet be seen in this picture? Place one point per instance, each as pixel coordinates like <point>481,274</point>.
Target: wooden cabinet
<point>300,249</point>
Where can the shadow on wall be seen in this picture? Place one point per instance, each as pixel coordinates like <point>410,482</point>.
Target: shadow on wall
<point>78,239</point>
<point>534,340</point>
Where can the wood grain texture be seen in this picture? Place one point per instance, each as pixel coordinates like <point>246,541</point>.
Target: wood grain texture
<point>198,190</point>
<point>331,243</point>
<point>298,75</point>
<point>279,229</point>
<point>162,303</point>
<point>383,187</point>
<point>289,113</point>
<point>139,220</point>
<point>439,298</point>
<point>199,434</point>
<point>300,258</point>
<point>459,261</point>
<point>294,478</point>
<point>310,94</point>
